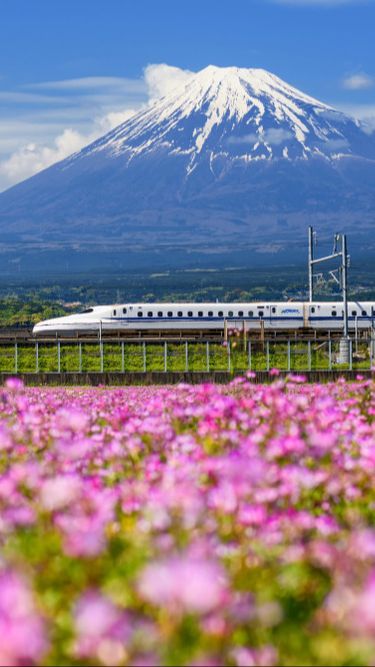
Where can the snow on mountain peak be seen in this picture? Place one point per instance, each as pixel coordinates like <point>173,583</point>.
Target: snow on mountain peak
<point>233,112</point>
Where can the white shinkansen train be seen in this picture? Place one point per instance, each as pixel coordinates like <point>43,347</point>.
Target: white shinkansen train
<point>148,317</point>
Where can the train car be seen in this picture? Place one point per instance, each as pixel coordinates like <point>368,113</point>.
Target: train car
<point>149,317</point>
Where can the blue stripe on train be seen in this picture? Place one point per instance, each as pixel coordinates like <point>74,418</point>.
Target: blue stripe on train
<point>198,319</point>
<point>235,319</point>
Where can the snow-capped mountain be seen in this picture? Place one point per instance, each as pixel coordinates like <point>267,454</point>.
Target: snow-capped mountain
<point>233,153</point>
<point>234,112</point>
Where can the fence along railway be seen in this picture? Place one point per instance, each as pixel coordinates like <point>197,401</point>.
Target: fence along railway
<point>184,356</point>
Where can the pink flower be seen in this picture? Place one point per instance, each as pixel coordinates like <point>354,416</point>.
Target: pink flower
<point>5,438</point>
<point>22,633</point>
<point>59,491</point>
<point>245,657</point>
<point>73,419</point>
<point>185,584</point>
<point>14,384</point>
<point>361,616</point>
<point>102,629</point>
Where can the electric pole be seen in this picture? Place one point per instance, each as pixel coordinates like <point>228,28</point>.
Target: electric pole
<point>344,255</point>
<point>311,257</point>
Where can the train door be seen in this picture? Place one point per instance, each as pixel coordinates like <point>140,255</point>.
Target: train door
<point>306,315</point>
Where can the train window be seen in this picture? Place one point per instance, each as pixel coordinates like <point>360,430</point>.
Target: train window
<point>160,313</point>
<point>364,313</point>
<point>88,310</point>
<point>334,313</point>
<point>180,313</point>
<point>230,314</point>
<point>150,314</point>
<point>210,313</point>
<point>312,309</point>
<point>261,313</point>
<point>220,313</point>
<point>190,313</point>
<point>354,313</point>
<point>200,313</point>
<point>140,314</point>
<point>114,312</point>
<point>251,313</point>
<point>124,311</point>
<point>170,314</point>
<point>240,313</point>
<point>273,309</point>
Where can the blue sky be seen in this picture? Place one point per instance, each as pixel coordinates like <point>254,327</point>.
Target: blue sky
<point>72,69</point>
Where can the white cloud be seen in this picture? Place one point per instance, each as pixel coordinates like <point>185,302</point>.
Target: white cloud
<point>360,81</point>
<point>276,136</point>
<point>360,111</point>
<point>113,119</point>
<point>364,114</point>
<point>245,139</point>
<point>368,125</point>
<point>163,79</point>
<point>91,82</point>
<point>273,136</point>
<point>16,97</point>
<point>335,144</point>
<point>33,157</point>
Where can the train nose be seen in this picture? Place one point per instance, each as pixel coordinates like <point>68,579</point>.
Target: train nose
<point>40,327</point>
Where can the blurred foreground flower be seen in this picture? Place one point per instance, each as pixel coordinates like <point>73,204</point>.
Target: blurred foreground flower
<point>22,632</point>
<point>102,629</point>
<point>184,584</point>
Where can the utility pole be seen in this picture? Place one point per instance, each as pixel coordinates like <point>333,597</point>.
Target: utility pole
<point>311,269</point>
<point>344,256</point>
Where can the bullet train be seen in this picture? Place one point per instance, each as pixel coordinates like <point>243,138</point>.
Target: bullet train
<point>148,317</point>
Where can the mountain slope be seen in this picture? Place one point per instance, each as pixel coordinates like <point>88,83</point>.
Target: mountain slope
<point>232,154</point>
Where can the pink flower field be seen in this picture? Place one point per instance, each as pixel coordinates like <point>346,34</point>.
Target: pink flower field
<point>192,525</point>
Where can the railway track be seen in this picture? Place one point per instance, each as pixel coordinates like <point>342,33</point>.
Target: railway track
<point>10,336</point>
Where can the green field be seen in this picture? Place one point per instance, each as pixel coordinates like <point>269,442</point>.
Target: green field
<point>179,357</point>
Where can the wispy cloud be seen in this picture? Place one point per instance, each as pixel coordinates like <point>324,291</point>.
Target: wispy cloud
<point>273,137</point>
<point>335,144</point>
<point>360,81</point>
<point>92,82</point>
<point>365,113</point>
<point>17,97</point>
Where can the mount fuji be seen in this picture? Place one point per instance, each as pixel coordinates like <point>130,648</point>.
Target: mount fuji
<point>233,158</point>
